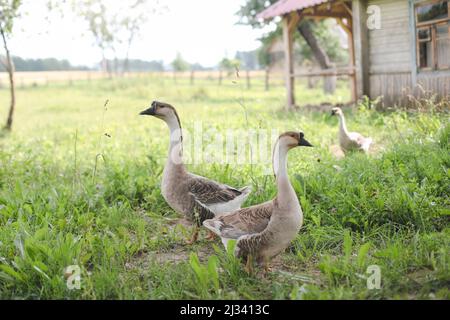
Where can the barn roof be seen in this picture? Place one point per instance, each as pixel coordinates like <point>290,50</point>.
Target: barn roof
<point>285,6</point>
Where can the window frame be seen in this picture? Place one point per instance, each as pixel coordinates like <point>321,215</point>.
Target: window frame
<point>432,26</point>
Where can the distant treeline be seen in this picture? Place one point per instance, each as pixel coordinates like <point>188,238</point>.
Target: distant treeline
<point>47,64</point>
<point>135,65</point>
<point>52,64</point>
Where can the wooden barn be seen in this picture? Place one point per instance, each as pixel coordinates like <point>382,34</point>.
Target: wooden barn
<point>398,48</point>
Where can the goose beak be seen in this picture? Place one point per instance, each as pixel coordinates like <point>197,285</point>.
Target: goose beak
<point>304,143</point>
<point>148,112</point>
<point>333,113</point>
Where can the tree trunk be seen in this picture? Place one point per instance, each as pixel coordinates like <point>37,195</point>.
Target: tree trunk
<point>10,69</point>
<point>321,56</point>
<point>126,62</point>
<point>126,65</point>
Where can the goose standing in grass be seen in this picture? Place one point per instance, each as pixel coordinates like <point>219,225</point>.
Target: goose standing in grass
<point>350,141</point>
<point>196,197</point>
<point>265,230</point>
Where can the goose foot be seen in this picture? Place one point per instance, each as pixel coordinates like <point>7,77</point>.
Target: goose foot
<point>267,269</point>
<point>194,237</point>
<point>211,236</point>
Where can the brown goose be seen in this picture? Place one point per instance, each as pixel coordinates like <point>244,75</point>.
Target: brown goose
<point>196,197</point>
<point>263,231</point>
<point>350,141</point>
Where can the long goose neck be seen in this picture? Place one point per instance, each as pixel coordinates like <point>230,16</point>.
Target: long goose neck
<point>342,124</point>
<point>279,162</point>
<point>175,141</point>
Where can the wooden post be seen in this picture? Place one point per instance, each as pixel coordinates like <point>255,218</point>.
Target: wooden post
<point>192,77</point>
<point>247,76</point>
<point>351,52</point>
<point>361,47</point>
<point>289,64</point>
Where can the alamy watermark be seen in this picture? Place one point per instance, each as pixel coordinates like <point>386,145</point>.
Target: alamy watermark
<point>72,274</point>
<point>374,17</point>
<point>374,278</point>
<point>200,145</point>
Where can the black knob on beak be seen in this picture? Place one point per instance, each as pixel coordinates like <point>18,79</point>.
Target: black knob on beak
<point>303,142</point>
<point>150,111</point>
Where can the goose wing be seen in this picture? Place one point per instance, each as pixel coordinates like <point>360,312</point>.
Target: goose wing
<point>360,141</point>
<point>242,222</point>
<point>219,198</point>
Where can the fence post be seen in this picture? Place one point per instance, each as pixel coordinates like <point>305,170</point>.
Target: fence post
<point>247,75</point>
<point>266,79</point>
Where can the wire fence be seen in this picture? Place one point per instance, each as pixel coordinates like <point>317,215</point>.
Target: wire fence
<point>250,79</point>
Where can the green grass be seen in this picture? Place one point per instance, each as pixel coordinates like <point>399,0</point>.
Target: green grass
<point>70,195</point>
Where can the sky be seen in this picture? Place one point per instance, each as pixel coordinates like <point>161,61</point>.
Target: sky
<point>202,31</point>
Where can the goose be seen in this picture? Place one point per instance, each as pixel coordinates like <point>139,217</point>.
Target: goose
<point>196,197</point>
<point>350,141</point>
<point>265,230</point>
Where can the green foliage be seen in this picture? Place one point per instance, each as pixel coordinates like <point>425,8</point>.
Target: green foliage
<point>206,275</point>
<point>179,64</point>
<point>388,209</point>
<point>328,38</point>
<point>9,11</point>
<point>229,65</point>
<point>248,11</point>
<point>324,31</point>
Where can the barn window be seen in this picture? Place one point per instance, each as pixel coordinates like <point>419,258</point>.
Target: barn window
<point>433,35</point>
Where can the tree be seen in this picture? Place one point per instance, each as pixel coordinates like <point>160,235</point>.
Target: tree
<point>9,11</point>
<point>264,60</point>
<point>179,65</point>
<point>321,56</point>
<point>100,22</point>
<point>136,16</point>
<point>315,39</point>
<point>228,65</point>
<point>113,26</point>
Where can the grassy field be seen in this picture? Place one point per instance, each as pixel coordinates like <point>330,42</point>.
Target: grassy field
<point>80,185</point>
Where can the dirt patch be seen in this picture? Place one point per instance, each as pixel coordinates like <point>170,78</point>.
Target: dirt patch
<point>337,152</point>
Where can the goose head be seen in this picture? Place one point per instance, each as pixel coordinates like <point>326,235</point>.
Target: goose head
<point>336,112</point>
<point>161,110</point>
<point>292,139</point>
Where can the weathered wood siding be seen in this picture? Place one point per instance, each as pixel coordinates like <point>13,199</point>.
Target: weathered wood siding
<point>390,52</point>
<point>429,84</point>
<point>392,69</point>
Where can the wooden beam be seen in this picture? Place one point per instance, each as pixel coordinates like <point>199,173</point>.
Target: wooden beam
<point>346,28</point>
<point>327,72</point>
<point>293,20</point>
<point>361,48</point>
<point>325,14</point>
<point>289,64</point>
<point>351,54</point>
<point>347,8</point>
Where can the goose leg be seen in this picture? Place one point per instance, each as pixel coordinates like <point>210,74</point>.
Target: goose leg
<point>194,236</point>
<point>249,265</point>
<point>267,267</point>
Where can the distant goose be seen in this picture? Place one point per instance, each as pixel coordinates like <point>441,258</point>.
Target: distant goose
<point>195,197</point>
<point>265,230</point>
<point>350,141</point>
